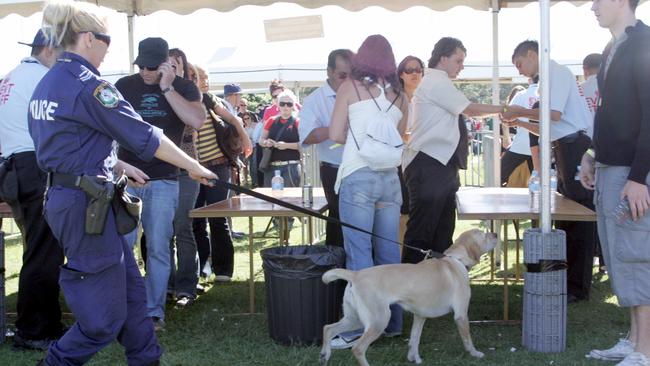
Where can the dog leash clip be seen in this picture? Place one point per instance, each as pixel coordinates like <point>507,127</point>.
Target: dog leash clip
<point>428,254</point>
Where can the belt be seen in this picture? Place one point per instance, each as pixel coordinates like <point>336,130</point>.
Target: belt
<point>215,162</point>
<point>63,180</point>
<point>329,165</point>
<point>282,163</point>
<point>568,139</point>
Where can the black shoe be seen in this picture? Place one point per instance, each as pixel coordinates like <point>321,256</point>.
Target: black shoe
<point>200,289</point>
<point>21,343</point>
<point>184,301</point>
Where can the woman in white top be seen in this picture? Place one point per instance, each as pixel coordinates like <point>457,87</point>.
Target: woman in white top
<point>369,199</point>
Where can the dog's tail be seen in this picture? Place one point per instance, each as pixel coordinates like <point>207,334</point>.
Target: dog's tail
<point>338,274</point>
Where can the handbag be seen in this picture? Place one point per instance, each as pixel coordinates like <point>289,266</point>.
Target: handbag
<point>228,138</point>
<point>265,162</point>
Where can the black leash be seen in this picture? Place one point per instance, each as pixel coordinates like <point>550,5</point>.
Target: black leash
<point>427,253</point>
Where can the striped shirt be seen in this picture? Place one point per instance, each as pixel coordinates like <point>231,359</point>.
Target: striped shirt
<point>206,144</point>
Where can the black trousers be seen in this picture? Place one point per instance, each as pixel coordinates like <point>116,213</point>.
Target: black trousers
<point>580,236</point>
<point>432,189</point>
<point>218,245</point>
<point>510,161</point>
<point>333,232</point>
<point>37,307</point>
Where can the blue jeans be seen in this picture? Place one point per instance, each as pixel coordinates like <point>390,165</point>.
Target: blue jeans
<point>159,202</point>
<point>371,200</point>
<point>185,275</point>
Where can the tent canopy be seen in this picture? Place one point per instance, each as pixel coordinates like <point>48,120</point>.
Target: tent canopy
<point>145,7</point>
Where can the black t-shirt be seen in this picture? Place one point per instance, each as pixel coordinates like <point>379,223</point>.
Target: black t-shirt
<point>286,134</point>
<point>152,105</point>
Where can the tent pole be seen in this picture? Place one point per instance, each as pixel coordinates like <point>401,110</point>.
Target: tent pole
<point>496,122</point>
<point>131,25</point>
<point>545,120</point>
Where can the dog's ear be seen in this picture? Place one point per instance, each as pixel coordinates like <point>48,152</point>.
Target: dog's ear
<point>474,247</point>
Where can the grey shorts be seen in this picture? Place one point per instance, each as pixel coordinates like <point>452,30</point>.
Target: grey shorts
<point>626,248</point>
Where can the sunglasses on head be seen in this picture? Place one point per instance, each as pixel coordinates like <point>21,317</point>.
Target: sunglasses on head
<point>286,104</point>
<point>142,67</point>
<point>410,70</point>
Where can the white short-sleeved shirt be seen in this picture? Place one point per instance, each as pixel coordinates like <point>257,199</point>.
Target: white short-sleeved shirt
<point>590,90</point>
<point>566,98</point>
<point>437,103</point>
<point>317,112</point>
<point>521,141</point>
<point>16,91</point>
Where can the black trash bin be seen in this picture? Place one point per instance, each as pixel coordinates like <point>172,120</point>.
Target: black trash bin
<point>298,303</point>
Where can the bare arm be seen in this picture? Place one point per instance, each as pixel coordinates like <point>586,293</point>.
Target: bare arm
<point>339,124</point>
<point>236,122</point>
<point>317,135</point>
<point>401,126</point>
<point>169,152</point>
<point>512,112</point>
<point>191,113</point>
<point>482,110</point>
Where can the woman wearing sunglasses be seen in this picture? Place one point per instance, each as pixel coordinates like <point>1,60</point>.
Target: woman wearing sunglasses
<point>75,117</point>
<point>281,135</point>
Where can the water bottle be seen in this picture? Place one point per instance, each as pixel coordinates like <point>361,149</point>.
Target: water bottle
<point>534,190</point>
<point>553,188</point>
<point>277,185</point>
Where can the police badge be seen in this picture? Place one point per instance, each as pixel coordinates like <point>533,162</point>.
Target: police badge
<point>107,95</point>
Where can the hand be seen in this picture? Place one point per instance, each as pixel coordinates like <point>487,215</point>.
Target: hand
<point>168,74</point>
<point>137,177</point>
<point>268,143</point>
<point>174,61</point>
<point>247,146</point>
<point>201,174</point>
<point>639,198</point>
<point>511,123</point>
<point>587,171</point>
<point>281,145</point>
<point>511,112</point>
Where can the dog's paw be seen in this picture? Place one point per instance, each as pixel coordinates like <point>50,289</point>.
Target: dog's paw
<point>414,358</point>
<point>477,354</point>
<point>324,358</point>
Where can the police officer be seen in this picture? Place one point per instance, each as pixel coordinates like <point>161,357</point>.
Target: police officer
<point>74,118</point>
<point>38,310</point>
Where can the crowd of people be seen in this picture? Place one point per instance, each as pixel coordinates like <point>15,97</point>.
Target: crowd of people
<point>71,139</point>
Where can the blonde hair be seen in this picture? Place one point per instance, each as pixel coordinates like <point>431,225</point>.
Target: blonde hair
<point>63,20</point>
<point>287,93</point>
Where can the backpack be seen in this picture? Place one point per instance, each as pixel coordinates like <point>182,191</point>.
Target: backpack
<point>382,148</point>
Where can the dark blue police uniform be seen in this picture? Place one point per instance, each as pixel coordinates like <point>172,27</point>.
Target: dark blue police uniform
<point>74,116</point>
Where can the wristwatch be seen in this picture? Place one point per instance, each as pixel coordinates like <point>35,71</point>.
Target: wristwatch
<point>167,89</point>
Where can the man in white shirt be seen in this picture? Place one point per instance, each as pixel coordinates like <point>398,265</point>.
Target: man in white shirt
<point>315,118</point>
<point>590,68</point>
<point>570,122</point>
<point>436,150</point>
<point>38,312</point>
<point>519,149</point>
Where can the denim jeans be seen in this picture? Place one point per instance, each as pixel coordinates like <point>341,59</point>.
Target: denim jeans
<point>159,202</point>
<point>371,200</point>
<point>290,173</point>
<point>218,245</point>
<point>185,273</point>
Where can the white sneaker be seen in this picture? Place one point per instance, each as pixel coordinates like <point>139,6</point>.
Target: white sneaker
<point>635,359</point>
<point>339,342</point>
<point>622,349</point>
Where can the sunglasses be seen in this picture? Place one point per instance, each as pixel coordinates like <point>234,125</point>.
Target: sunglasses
<point>246,118</point>
<point>410,70</point>
<point>286,104</point>
<point>101,36</point>
<point>142,67</point>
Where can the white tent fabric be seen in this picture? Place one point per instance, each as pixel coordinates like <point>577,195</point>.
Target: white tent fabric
<point>145,7</point>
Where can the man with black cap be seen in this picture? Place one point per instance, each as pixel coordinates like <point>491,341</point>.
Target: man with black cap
<point>22,185</point>
<point>169,102</point>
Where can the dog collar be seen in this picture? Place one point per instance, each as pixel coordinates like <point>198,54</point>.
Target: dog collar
<point>459,262</point>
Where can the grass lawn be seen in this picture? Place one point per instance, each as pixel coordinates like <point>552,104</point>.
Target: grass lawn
<point>208,333</point>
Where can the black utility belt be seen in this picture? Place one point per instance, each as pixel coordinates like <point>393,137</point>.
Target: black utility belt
<point>102,194</point>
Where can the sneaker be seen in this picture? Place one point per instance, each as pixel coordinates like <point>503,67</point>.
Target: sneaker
<point>222,278</point>
<point>200,289</point>
<point>158,324</point>
<point>25,344</point>
<point>184,301</point>
<point>621,350</point>
<point>635,359</point>
<point>237,235</point>
<point>339,342</point>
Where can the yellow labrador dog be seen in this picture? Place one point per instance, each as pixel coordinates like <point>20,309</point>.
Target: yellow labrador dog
<point>429,289</point>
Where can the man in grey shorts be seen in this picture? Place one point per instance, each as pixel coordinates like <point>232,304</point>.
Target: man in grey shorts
<point>619,171</point>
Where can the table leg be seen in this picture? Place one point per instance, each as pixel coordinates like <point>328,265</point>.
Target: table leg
<point>310,230</point>
<point>515,223</point>
<point>492,264</point>
<point>505,270</point>
<point>251,274</point>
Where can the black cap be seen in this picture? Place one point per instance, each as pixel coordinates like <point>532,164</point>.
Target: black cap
<point>39,40</point>
<point>152,52</point>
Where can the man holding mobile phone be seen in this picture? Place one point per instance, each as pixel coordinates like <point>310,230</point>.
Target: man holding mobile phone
<point>620,162</point>
<point>169,102</point>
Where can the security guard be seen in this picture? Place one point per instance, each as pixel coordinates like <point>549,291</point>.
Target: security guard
<point>74,117</point>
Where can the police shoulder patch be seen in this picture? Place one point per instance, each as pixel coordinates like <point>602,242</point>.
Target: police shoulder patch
<point>107,95</point>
